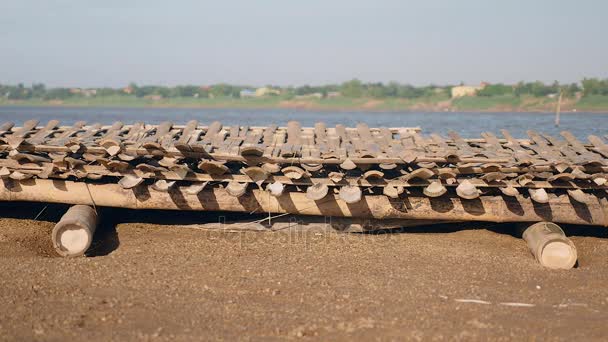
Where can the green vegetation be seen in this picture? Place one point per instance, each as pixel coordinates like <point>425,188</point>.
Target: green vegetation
<point>594,86</point>
<point>590,95</point>
<point>483,103</point>
<point>593,103</point>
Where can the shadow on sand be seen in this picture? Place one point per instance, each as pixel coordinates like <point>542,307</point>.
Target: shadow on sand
<point>106,239</point>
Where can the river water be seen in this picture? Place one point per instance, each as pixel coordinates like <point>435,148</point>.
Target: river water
<point>467,124</point>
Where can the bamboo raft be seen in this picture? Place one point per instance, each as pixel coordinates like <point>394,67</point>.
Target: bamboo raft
<point>359,172</point>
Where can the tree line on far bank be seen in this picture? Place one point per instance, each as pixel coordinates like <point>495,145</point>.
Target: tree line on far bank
<point>351,89</point>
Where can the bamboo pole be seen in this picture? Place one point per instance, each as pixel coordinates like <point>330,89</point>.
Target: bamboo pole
<point>73,234</point>
<point>559,209</point>
<point>550,246</point>
<point>558,109</point>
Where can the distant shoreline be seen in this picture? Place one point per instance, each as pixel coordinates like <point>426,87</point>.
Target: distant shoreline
<point>467,105</point>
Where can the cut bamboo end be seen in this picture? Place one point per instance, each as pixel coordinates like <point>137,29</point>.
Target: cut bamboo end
<point>120,166</point>
<point>294,172</point>
<point>560,167</point>
<point>435,189</point>
<point>74,146</point>
<point>111,146</point>
<point>348,165</point>
<point>387,166</point>
<point>73,234</point>
<point>142,166</point>
<point>180,170</point>
<point>509,191</point>
<point>539,195</point>
<point>271,167</point>
<point>312,167</point>
<point>525,179</point>
<point>162,185</point>
<point>600,179</point>
<point>151,145</point>
<point>580,174</point>
<point>427,165</point>
<point>561,177</point>
<point>93,176</point>
<point>392,190</point>
<point>491,167</point>
<point>336,176</point>
<point>236,189</point>
<point>420,174</point>
<point>251,151</point>
<point>126,156</point>
<point>374,175</point>
<point>350,194</point>
<point>130,181</point>
<point>16,175</point>
<point>493,176</point>
<point>446,174</point>
<point>27,157</point>
<point>167,161</point>
<point>195,188</point>
<point>213,167</point>
<point>276,189</point>
<point>550,246</point>
<point>409,158</point>
<point>467,190</point>
<point>317,191</point>
<point>578,195</point>
<point>257,174</point>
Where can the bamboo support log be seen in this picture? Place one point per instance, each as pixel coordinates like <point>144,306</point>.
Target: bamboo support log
<point>73,234</point>
<point>550,246</point>
<point>484,208</point>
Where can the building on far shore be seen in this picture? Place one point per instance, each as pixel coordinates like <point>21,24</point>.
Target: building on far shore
<point>309,96</point>
<point>84,92</point>
<point>247,93</point>
<point>463,90</point>
<point>265,91</point>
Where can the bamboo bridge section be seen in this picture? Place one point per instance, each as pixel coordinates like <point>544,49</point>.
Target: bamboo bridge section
<point>360,172</point>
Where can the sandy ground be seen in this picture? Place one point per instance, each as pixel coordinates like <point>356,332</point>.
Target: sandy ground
<point>145,281</point>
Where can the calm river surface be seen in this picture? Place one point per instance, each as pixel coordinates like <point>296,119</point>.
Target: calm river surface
<point>467,124</point>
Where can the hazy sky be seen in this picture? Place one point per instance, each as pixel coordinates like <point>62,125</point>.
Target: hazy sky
<point>113,42</point>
